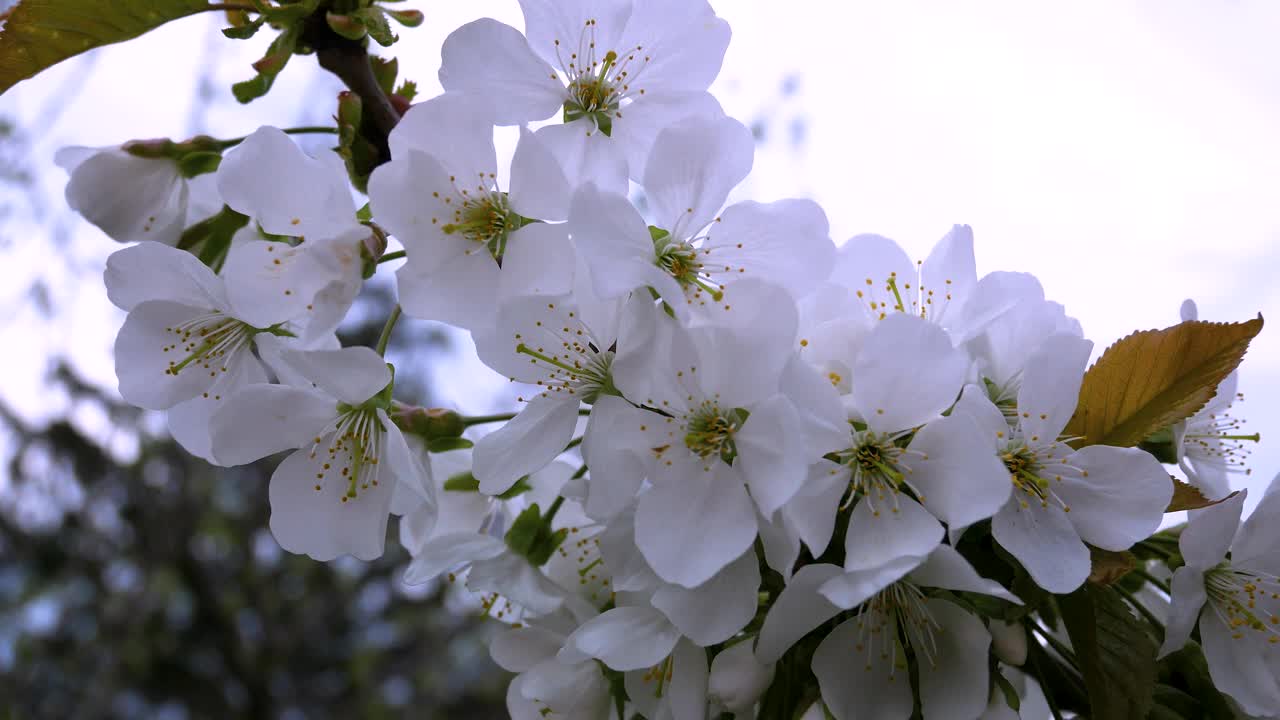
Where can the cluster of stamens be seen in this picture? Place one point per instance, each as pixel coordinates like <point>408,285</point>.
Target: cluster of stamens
<point>479,214</point>
<point>350,448</point>
<point>574,363</point>
<point>709,431</point>
<point>880,471</point>
<point>897,615</point>
<point>1245,601</point>
<point>1029,473</point>
<point>598,84</point>
<point>895,295</point>
<point>205,342</point>
<point>1217,439</point>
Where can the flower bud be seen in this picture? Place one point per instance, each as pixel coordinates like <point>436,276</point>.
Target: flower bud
<point>737,679</point>
<point>1009,640</point>
<point>428,423</point>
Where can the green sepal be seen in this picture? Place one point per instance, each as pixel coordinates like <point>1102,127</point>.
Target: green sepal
<point>198,163</point>
<point>407,18</point>
<point>244,32</point>
<point>1162,446</point>
<point>385,72</point>
<point>375,21</point>
<point>521,487</point>
<point>446,444</point>
<point>462,482</point>
<point>531,536</point>
<point>408,90</point>
<point>1009,692</point>
<point>364,214</point>
<point>291,13</point>
<point>210,238</point>
<point>269,65</point>
<point>347,26</point>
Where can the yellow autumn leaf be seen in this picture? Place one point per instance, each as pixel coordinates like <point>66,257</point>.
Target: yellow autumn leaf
<point>1154,378</point>
<point>41,33</point>
<point>1188,497</point>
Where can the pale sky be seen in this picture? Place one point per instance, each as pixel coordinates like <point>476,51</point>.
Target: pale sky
<point>1124,152</point>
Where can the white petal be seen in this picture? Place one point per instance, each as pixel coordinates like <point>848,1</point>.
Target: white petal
<point>539,260</point>
<point>576,691</point>
<point>785,242</point>
<point>539,187</point>
<point>772,453</point>
<point>1044,541</point>
<point>986,417</point>
<point>688,688</point>
<point>1187,311</point>
<point>1208,535</point>
<point>717,609</point>
<point>947,569</point>
<point>512,577</point>
<point>798,610</point>
<point>533,322</point>
<point>851,589</point>
<point>151,271</point>
<point>619,471</point>
<point>150,205</point>
<point>637,128</point>
<point>674,519</point>
<point>865,263</point>
<point>517,649</point>
<point>1256,542</point>
<point>191,422</point>
<point>326,523</point>
<point>1238,668</point>
<point>989,300</point>
<point>525,444</point>
<point>692,168</point>
<point>147,349</point>
<point>862,684</point>
<point>961,479</point>
<point>613,239</point>
<point>262,420</point>
<point>586,156</point>
<point>883,529</point>
<point>737,680</point>
<point>455,131</point>
<point>407,197</point>
<point>1051,386</point>
<point>683,43</point>
<point>950,272</point>
<point>624,638</point>
<point>822,416</point>
<point>556,27</point>
<point>459,292</point>
<point>1187,597</point>
<point>270,179</point>
<point>953,680</point>
<point>411,473</point>
<point>445,552</point>
<point>352,374</point>
<point>270,282</point>
<point>812,512</point>
<point>488,60</point>
<point>1120,500</point>
<point>906,374</point>
<point>781,545</point>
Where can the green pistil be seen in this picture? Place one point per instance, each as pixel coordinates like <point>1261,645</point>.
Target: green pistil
<point>488,221</point>
<point>710,432</point>
<point>681,262</point>
<point>1256,437</point>
<point>593,97</point>
<point>893,285</point>
<point>526,350</point>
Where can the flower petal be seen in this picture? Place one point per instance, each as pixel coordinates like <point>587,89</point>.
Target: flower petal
<point>692,168</point>
<point>539,187</point>
<point>1187,598</point>
<point>953,677</point>
<point>812,511</point>
<point>674,518</point>
<point>717,609</point>
<point>798,610</point>
<point>785,242</point>
<point>624,638</point>
<point>1044,541</point>
<point>947,569</point>
<point>152,205</point>
<point>262,420</point>
<point>1208,534</point>
<point>883,529</point>
<point>851,589</point>
<point>270,282</point>
<point>539,260</point>
<point>328,522</point>
<point>960,479</point>
<point>638,128</point>
<point>950,273</point>
<point>906,374</point>
<point>445,552</point>
<point>459,291</point>
<point>491,61</point>
<point>1119,499</point>
<point>556,27</point>
<point>524,444</point>
<point>151,271</point>
<point>867,685</point>
<point>517,649</point>
<point>586,156</point>
<point>351,374</point>
<point>512,577</point>
<point>150,345</point>
<point>1051,386</point>
<point>1238,668</point>
<point>772,453</point>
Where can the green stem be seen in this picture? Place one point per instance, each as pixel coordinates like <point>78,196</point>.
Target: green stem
<point>1142,610</point>
<point>229,6</point>
<point>391,256</point>
<point>581,472</point>
<point>1066,652</point>
<point>1153,580</point>
<point>469,420</point>
<point>552,510</point>
<point>305,130</point>
<point>1044,686</point>
<point>573,444</point>
<point>386,330</point>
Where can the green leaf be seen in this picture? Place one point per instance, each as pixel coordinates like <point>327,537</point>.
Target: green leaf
<point>462,482</point>
<point>1008,690</point>
<point>1117,655</point>
<point>42,33</point>
<point>1188,671</point>
<point>521,487</point>
<point>244,32</point>
<point>376,23</point>
<point>1154,378</point>
<point>348,26</point>
<point>385,71</point>
<point>268,66</point>
<point>407,18</point>
<point>445,444</point>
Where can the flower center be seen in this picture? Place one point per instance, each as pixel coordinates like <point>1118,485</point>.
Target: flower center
<point>1246,601</point>
<point>1217,439</point>
<point>205,342</point>
<point>880,470</point>
<point>894,294</point>
<point>709,431</point>
<point>350,448</point>
<point>597,85</point>
<point>574,362</point>
<point>679,259</point>
<point>1029,475</point>
<point>486,219</point>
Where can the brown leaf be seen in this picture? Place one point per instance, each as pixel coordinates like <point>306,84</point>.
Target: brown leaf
<point>1109,565</point>
<point>1188,497</point>
<point>1154,378</point>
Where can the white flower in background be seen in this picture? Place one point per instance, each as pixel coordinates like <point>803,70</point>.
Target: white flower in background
<point>905,376</point>
<point>545,687</point>
<point>1235,601</point>
<point>612,69</point>
<point>270,179</point>
<point>699,251</point>
<point>469,244</point>
<point>861,665</point>
<point>1210,445</point>
<point>133,198</point>
<point>332,496</point>
<point>1106,496</point>
<point>185,346</point>
<point>738,680</point>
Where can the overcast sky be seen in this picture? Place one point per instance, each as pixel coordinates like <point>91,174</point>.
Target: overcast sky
<point>1124,152</point>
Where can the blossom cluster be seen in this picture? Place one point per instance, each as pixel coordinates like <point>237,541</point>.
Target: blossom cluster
<point>737,438</point>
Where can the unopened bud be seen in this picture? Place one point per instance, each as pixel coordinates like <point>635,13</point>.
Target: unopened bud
<point>407,18</point>
<point>428,423</point>
<point>372,248</point>
<point>1009,640</point>
<point>737,679</point>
